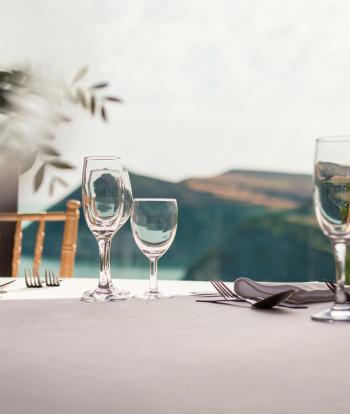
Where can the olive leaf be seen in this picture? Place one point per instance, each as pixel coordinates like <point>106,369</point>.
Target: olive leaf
<point>63,118</point>
<point>48,150</point>
<point>48,135</point>
<point>92,104</point>
<point>104,114</point>
<point>54,181</point>
<point>81,97</point>
<point>61,164</point>
<point>28,162</point>
<point>80,74</point>
<point>113,99</point>
<point>99,85</point>
<point>39,176</point>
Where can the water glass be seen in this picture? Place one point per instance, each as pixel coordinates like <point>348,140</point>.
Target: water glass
<point>332,208</point>
<point>154,224</point>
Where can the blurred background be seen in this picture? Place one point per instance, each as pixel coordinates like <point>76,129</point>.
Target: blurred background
<point>222,103</point>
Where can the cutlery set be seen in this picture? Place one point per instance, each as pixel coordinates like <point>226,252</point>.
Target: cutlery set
<point>227,295</point>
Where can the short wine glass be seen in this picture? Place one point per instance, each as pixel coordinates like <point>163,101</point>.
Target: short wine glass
<point>103,199</point>
<point>332,208</point>
<point>154,224</point>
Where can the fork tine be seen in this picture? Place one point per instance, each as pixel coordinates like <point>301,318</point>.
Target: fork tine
<point>57,280</point>
<point>32,281</point>
<point>330,285</point>
<point>37,279</point>
<point>228,291</point>
<point>52,276</point>
<point>220,289</point>
<point>51,279</point>
<point>26,278</point>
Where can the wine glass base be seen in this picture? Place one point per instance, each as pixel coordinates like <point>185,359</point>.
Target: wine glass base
<point>100,296</point>
<point>154,296</point>
<point>122,292</point>
<point>337,313</point>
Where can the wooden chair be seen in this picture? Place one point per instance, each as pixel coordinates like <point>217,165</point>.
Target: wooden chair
<point>69,241</point>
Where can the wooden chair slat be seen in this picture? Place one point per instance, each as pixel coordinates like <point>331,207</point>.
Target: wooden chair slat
<point>17,248</point>
<point>39,245</point>
<point>69,242</point>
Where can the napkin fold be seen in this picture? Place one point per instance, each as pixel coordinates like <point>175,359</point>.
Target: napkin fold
<point>308,292</point>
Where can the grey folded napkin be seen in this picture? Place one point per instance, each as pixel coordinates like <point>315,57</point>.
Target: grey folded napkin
<point>308,292</point>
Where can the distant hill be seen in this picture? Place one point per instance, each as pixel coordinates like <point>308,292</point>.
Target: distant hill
<point>240,222</point>
<point>268,189</point>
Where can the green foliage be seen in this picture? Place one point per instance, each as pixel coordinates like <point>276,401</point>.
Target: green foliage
<point>26,135</point>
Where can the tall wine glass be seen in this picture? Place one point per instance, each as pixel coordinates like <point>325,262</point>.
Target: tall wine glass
<point>154,224</point>
<point>332,207</point>
<point>103,198</point>
<point>127,205</point>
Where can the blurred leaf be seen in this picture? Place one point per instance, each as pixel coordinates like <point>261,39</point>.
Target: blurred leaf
<point>49,135</point>
<point>104,113</point>
<point>92,104</point>
<point>64,118</point>
<point>53,182</point>
<point>48,150</point>
<point>67,92</point>
<point>80,74</point>
<point>113,99</point>
<point>39,176</point>
<point>4,75</point>
<point>81,97</point>
<point>99,85</point>
<point>28,162</point>
<point>61,164</point>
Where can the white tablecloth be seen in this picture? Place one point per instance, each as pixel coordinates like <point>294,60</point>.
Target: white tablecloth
<point>166,357</point>
<point>72,288</point>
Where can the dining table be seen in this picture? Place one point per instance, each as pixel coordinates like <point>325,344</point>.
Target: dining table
<point>169,356</point>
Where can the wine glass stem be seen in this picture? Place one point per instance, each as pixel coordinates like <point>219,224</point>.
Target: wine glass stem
<point>104,245</point>
<point>340,256</point>
<point>153,276</point>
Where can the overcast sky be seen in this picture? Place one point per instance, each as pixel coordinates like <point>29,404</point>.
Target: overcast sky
<point>208,85</point>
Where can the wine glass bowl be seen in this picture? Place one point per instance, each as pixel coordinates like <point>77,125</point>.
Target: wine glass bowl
<point>154,225</point>
<point>332,210</point>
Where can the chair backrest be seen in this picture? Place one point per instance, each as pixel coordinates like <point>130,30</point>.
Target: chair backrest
<point>69,241</point>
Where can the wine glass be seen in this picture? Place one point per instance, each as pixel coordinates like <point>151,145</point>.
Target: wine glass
<point>154,224</point>
<point>127,205</point>
<point>332,208</point>
<point>103,199</point>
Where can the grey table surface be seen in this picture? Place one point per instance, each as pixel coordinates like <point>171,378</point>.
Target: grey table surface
<point>169,356</point>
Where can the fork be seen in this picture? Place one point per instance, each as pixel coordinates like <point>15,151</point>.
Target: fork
<point>333,288</point>
<point>32,279</point>
<point>51,279</point>
<point>268,302</point>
